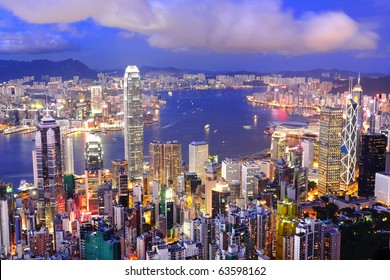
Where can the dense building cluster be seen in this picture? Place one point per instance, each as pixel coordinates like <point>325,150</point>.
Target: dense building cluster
<point>291,204</point>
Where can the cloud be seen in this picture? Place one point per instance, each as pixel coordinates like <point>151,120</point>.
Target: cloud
<point>32,43</point>
<point>382,52</point>
<point>218,25</point>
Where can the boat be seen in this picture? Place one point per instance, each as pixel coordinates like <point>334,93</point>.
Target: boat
<point>149,118</point>
<point>15,129</point>
<point>170,93</point>
<point>255,117</point>
<point>207,126</point>
<point>215,131</point>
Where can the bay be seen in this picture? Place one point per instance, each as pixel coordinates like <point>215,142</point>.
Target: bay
<point>233,131</point>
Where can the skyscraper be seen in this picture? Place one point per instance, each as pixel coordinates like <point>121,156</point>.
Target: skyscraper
<point>49,167</point>
<point>133,123</point>
<point>349,144</point>
<point>5,245</point>
<point>198,156</point>
<point>96,99</point>
<point>68,159</point>
<point>278,145</point>
<point>308,153</point>
<point>93,171</point>
<point>165,162</point>
<point>331,124</point>
<point>172,162</point>
<point>357,93</point>
<point>372,160</point>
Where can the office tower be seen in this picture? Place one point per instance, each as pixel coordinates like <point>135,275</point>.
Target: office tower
<point>308,153</point>
<point>308,240</point>
<point>118,218</point>
<point>68,153</point>
<point>93,171</point>
<point>198,156</point>
<point>230,169</point>
<point>372,160</point>
<point>220,198</point>
<point>357,94</point>
<point>382,187</point>
<point>50,170</point>
<point>248,171</point>
<point>165,162</point>
<point>133,123</point>
<point>105,196</point>
<point>120,180</point>
<point>349,144</point>
<point>156,154</point>
<point>96,99</point>
<point>172,163</point>
<point>265,231</point>
<point>331,122</point>
<point>278,145</point>
<point>267,167</point>
<point>5,245</point>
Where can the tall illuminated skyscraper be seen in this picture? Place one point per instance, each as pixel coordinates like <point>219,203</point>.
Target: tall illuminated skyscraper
<point>198,156</point>
<point>93,171</point>
<point>69,160</point>
<point>331,125</point>
<point>5,245</point>
<point>133,123</point>
<point>165,162</point>
<point>278,145</point>
<point>96,99</point>
<point>172,162</point>
<point>308,153</point>
<point>156,154</point>
<point>349,144</point>
<point>50,169</point>
<point>357,93</point>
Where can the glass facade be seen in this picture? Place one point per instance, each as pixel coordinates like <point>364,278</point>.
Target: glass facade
<point>331,125</point>
<point>133,123</point>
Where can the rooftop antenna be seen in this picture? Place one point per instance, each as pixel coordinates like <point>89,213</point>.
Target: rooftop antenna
<point>359,78</point>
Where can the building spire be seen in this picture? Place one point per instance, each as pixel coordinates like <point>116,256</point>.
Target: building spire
<point>359,78</point>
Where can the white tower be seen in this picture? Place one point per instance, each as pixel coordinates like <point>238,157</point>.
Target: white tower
<point>133,123</point>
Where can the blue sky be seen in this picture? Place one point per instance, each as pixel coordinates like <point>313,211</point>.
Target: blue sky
<point>254,35</point>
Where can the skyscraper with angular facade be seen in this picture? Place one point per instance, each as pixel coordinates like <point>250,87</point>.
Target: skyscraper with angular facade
<point>133,123</point>
<point>48,149</point>
<point>349,144</point>
<point>331,125</point>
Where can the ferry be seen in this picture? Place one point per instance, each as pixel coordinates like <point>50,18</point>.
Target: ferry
<point>149,118</point>
<point>15,129</point>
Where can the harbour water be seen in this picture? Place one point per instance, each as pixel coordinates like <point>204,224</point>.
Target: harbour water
<point>233,131</point>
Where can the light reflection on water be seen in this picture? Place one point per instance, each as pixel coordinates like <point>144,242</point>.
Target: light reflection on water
<point>233,131</point>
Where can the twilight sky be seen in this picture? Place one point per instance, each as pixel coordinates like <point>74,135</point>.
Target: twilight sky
<point>259,35</point>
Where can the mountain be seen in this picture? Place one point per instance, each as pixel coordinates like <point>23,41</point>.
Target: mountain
<point>370,86</point>
<point>12,69</point>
